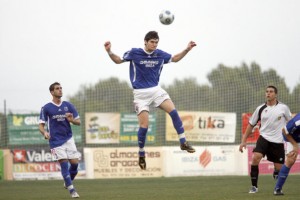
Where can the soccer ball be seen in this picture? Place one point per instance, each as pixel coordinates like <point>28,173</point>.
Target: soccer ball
<point>166,17</point>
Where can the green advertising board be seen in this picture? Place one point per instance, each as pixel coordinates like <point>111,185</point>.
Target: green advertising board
<point>130,126</point>
<point>1,165</point>
<point>23,129</point>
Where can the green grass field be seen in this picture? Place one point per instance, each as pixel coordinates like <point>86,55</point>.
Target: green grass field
<point>178,188</point>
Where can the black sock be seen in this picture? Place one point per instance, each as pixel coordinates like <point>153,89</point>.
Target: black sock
<point>254,175</point>
<point>275,174</point>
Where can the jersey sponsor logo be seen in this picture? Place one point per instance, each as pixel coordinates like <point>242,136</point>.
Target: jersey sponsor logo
<point>59,117</point>
<point>149,63</point>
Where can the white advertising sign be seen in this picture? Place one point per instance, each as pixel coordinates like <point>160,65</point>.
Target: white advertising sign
<point>122,162</point>
<point>206,161</point>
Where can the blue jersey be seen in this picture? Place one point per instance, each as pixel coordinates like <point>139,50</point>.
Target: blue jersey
<point>57,124</point>
<point>145,68</point>
<point>293,128</point>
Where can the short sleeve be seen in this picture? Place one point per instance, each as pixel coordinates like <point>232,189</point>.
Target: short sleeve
<point>128,56</point>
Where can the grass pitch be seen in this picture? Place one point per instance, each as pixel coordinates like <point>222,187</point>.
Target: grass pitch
<point>177,188</point>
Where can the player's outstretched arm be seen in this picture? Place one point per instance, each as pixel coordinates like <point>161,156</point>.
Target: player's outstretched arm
<point>117,59</point>
<point>180,55</point>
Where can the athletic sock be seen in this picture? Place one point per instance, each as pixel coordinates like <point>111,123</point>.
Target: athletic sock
<point>282,176</point>
<point>141,152</point>
<point>142,132</point>
<point>177,123</point>
<point>275,174</point>
<point>71,189</point>
<point>66,175</point>
<point>254,175</point>
<point>182,138</point>
<point>73,170</point>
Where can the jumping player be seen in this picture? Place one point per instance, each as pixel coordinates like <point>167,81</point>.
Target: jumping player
<point>146,65</point>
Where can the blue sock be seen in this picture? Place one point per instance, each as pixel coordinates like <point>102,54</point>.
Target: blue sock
<point>177,123</point>
<point>282,176</point>
<point>142,140</point>
<point>73,170</point>
<point>66,175</point>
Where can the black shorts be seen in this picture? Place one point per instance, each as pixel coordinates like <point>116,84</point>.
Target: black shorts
<point>273,151</point>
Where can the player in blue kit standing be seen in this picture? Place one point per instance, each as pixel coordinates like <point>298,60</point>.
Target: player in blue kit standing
<point>291,133</point>
<point>146,65</point>
<point>58,115</point>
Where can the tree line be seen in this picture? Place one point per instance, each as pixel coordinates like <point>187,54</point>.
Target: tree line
<point>230,89</point>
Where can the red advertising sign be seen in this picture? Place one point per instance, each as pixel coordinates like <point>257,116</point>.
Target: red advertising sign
<point>255,132</point>
<point>38,164</point>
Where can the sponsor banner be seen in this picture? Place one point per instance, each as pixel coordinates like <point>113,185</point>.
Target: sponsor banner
<point>38,164</point>
<point>204,127</point>
<point>23,129</point>
<point>102,128</point>
<point>130,127</point>
<point>206,161</point>
<point>1,165</point>
<point>267,167</point>
<point>255,132</point>
<point>122,162</point>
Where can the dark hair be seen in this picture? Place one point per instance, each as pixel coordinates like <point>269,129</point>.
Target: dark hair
<point>275,89</point>
<point>52,86</point>
<point>151,35</point>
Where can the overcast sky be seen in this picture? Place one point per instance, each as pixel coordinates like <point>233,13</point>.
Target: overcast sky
<point>43,41</point>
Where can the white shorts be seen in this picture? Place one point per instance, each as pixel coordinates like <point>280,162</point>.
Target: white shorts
<point>289,147</point>
<point>149,97</point>
<point>66,151</point>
